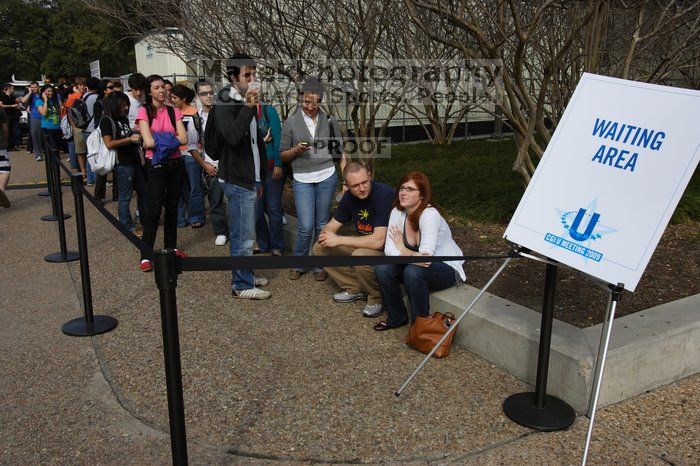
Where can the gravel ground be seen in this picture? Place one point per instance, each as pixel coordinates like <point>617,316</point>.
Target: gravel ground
<point>297,378</point>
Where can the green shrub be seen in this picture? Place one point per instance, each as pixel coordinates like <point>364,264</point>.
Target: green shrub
<point>474,180</point>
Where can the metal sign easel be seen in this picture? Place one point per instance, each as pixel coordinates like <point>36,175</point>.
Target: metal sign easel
<point>536,409</point>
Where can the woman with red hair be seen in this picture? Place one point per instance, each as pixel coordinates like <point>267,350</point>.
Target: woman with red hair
<point>416,228</point>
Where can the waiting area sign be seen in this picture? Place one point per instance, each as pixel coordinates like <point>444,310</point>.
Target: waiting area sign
<point>611,177</point>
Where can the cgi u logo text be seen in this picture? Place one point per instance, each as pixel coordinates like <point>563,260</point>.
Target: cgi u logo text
<point>574,229</point>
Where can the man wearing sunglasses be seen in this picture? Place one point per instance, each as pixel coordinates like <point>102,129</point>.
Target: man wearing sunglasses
<point>210,169</point>
<point>367,204</point>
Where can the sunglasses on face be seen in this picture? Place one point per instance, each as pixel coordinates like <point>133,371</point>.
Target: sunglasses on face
<point>206,93</point>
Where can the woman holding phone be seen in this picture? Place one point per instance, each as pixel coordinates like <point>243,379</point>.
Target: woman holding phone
<point>117,135</point>
<point>305,143</point>
<point>49,107</point>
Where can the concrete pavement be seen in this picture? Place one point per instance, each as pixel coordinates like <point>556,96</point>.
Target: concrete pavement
<point>293,379</point>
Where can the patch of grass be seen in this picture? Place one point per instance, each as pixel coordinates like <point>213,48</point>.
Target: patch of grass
<point>688,209</point>
<point>474,180</point>
<point>471,180</point>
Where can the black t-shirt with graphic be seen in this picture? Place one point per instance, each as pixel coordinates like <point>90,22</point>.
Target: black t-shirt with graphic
<point>367,214</point>
<point>126,155</point>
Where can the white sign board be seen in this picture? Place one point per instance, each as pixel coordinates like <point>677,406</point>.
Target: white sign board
<point>95,69</point>
<point>611,177</point>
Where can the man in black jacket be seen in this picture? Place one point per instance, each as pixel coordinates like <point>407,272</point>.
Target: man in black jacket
<point>240,149</point>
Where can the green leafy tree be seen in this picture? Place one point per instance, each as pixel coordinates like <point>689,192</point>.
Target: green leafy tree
<point>60,38</point>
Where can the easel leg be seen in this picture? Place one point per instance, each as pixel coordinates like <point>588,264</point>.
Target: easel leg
<point>600,365</point>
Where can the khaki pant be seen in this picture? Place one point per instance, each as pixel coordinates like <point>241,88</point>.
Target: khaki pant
<point>353,279</point>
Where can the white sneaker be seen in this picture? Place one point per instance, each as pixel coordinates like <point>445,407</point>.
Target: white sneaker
<point>345,297</point>
<point>252,293</point>
<point>372,310</point>
<point>261,281</point>
<point>221,240</point>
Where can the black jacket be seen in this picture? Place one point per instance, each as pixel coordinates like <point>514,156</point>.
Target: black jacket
<point>235,154</point>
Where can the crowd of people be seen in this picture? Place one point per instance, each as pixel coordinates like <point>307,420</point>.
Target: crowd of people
<point>179,148</point>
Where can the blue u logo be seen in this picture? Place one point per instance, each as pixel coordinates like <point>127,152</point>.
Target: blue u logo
<point>573,230</point>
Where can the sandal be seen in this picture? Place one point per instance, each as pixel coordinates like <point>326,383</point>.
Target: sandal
<point>197,225</point>
<point>384,325</point>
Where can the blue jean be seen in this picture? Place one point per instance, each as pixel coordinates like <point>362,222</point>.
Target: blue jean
<point>418,281</point>
<point>313,203</point>
<point>271,238</point>
<point>241,221</point>
<point>130,178</point>
<point>191,195</point>
<point>89,174</point>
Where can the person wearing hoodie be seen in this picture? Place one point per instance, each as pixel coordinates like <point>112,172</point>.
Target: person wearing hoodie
<point>237,142</point>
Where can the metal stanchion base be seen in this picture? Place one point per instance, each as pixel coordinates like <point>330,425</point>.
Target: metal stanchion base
<point>556,414</point>
<point>79,328</point>
<point>58,257</point>
<point>53,218</point>
<point>44,194</point>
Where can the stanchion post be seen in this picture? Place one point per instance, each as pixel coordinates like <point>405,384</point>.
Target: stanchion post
<point>539,410</point>
<point>63,255</point>
<point>46,166</point>
<point>89,324</point>
<point>165,263</point>
<point>550,287</point>
<point>50,181</point>
<point>58,189</point>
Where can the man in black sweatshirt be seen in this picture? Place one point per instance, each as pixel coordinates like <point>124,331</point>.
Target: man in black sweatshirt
<point>235,140</point>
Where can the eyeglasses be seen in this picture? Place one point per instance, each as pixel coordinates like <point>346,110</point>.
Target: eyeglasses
<point>206,93</point>
<point>311,102</point>
<point>408,189</point>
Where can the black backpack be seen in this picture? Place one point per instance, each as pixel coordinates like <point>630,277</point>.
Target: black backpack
<point>78,114</point>
<point>212,139</point>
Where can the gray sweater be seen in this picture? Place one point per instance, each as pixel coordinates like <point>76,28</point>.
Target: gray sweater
<point>318,157</point>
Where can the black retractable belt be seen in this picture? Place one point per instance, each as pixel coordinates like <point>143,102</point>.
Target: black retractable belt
<point>198,264</point>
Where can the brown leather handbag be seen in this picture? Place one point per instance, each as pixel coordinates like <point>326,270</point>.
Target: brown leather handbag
<point>427,331</point>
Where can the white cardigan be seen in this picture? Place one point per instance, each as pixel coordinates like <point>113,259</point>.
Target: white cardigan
<point>435,237</point>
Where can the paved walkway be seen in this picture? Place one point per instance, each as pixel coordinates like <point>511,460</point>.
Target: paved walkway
<point>293,379</point>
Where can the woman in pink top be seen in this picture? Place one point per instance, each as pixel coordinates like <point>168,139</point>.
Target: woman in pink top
<point>164,180</point>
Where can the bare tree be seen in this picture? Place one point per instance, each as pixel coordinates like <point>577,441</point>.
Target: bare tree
<point>545,45</point>
<point>532,53</point>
